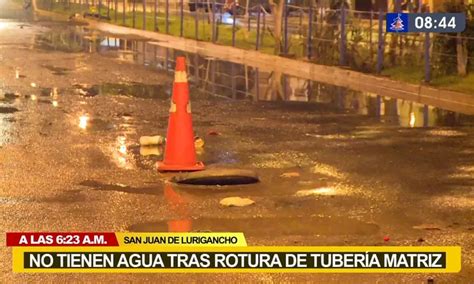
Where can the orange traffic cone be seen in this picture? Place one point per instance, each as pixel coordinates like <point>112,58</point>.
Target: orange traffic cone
<point>180,153</point>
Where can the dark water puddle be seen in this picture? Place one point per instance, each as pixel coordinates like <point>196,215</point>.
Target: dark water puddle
<point>43,101</point>
<point>85,90</point>
<point>136,90</point>
<point>59,71</point>
<point>71,196</point>
<point>9,119</point>
<point>98,124</point>
<point>58,40</point>
<point>267,226</point>
<point>95,185</point>
<point>45,92</point>
<point>8,97</point>
<point>7,110</point>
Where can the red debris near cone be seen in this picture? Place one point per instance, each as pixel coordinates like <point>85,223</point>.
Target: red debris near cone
<point>180,152</point>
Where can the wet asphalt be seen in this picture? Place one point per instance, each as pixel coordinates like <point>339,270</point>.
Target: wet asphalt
<point>70,161</point>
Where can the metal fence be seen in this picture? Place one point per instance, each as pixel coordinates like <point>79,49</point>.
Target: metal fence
<point>344,37</point>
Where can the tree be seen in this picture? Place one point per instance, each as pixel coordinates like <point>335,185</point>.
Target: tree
<point>459,45</point>
<point>277,12</point>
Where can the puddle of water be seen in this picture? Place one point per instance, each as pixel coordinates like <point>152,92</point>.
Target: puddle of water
<point>6,120</point>
<point>129,90</point>
<point>134,90</point>
<point>4,109</point>
<point>120,153</point>
<point>63,39</point>
<point>72,196</point>
<point>8,97</point>
<point>7,112</point>
<point>237,81</point>
<point>265,226</point>
<point>59,71</point>
<point>85,122</point>
<point>95,185</point>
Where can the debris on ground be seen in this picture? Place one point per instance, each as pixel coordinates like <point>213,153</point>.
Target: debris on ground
<point>236,201</point>
<point>386,238</point>
<point>213,133</point>
<point>198,142</point>
<point>290,174</point>
<point>151,151</point>
<point>76,16</point>
<point>315,191</point>
<point>327,170</point>
<point>152,140</point>
<point>430,227</point>
<point>312,135</point>
<point>85,90</point>
<point>446,133</point>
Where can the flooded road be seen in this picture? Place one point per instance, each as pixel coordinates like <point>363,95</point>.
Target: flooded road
<point>336,167</point>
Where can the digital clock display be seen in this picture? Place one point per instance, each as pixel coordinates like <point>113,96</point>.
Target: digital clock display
<point>426,22</point>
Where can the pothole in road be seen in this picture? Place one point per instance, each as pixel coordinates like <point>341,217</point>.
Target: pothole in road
<point>215,177</point>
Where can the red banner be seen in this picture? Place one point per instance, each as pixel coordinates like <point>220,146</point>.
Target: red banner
<point>61,239</point>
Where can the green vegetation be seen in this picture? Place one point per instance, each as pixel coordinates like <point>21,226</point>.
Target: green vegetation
<point>415,75</point>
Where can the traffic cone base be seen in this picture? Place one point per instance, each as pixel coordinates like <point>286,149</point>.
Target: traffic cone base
<point>199,166</point>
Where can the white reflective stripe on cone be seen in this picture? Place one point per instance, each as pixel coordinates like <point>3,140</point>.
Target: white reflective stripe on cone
<point>180,77</point>
<point>173,107</point>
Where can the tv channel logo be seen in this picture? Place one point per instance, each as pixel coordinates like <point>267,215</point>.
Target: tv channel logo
<point>397,22</point>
